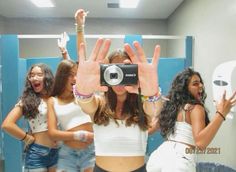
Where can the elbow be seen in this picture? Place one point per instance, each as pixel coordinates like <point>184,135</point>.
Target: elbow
<point>5,126</point>
<point>51,134</point>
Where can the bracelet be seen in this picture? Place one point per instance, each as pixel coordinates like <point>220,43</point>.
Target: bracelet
<point>80,135</point>
<point>79,28</point>
<point>80,96</point>
<point>153,98</point>
<point>221,115</point>
<point>24,136</point>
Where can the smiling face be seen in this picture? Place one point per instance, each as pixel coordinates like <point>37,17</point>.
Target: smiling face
<point>36,78</point>
<point>195,87</point>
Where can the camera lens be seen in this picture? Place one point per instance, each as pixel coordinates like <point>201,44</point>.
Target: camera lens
<point>113,75</point>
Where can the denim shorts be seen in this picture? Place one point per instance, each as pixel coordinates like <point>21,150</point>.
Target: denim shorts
<point>40,157</point>
<point>74,160</point>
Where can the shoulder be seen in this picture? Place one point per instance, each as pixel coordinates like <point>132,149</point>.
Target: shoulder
<point>198,112</point>
<point>19,104</point>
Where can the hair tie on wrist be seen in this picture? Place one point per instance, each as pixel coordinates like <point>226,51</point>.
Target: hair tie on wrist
<point>221,115</point>
<point>24,136</point>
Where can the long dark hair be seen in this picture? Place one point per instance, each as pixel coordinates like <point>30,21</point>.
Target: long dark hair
<point>30,99</point>
<point>179,96</point>
<point>62,76</point>
<point>107,107</point>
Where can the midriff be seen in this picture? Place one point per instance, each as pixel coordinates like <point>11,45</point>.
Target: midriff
<point>120,163</point>
<point>42,138</point>
<point>77,144</point>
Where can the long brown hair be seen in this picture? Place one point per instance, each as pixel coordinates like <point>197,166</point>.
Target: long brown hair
<point>107,107</point>
<point>30,99</point>
<point>62,75</point>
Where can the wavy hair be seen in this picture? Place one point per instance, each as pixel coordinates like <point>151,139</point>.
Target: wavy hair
<point>179,96</point>
<point>132,106</point>
<point>30,99</point>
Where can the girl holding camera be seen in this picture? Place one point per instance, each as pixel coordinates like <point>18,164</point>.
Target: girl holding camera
<point>121,118</point>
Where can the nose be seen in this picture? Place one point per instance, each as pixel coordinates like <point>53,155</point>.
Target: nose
<point>201,85</point>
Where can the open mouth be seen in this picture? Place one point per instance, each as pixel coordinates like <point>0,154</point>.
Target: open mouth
<point>37,86</point>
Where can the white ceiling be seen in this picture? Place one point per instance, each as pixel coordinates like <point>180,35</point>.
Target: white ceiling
<point>147,9</point>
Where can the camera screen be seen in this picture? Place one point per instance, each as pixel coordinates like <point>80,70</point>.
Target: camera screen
<point>113,75</point>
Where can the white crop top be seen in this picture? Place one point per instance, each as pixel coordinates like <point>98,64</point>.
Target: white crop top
<point>70,115</point>
<point>182,132</point>
<point>119,140</point>
<point>39,123</point>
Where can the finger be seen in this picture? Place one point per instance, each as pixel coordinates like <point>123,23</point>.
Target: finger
<point>67,38</point>
<point>104,51</point>
<point>86,13</point>
<point>156,55</point>
<point>140,52</point>
<point>224,95</point>
<point>96,49</point>
<point>131,53</point>
<point>103,88</point>
<point>127,61</point>
<point>233,96</point>
<point>81,57</point>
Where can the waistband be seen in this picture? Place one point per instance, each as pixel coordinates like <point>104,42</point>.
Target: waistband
<point>186,144</point>
<point>43,147</point>
<point>99,169</point>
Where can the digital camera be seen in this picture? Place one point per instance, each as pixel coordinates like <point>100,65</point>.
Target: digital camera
<point>118,74</point>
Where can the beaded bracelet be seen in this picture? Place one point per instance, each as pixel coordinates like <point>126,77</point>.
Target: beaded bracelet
<point>80,96</point>
<point>79,28</point>
<point>221,115</point>
<point>153,98</point>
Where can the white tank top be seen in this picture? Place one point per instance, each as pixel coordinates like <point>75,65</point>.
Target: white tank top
<point>70,115</point>
<point>119,140</point>
<point>182,132</point>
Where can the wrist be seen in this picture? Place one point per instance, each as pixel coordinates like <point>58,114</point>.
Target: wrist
<point>156,97</point>
<point>24,138</point>
<point>80,135</point>
<point>221,114</point>
<point>79,27</point>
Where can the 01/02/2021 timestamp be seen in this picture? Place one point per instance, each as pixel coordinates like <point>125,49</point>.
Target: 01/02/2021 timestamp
<point>210,150</point>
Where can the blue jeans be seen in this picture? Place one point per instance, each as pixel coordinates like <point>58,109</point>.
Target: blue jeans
<point>40,157</point>
<point>74,160</point>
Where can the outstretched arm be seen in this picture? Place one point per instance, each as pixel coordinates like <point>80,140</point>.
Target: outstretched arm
<point>80,16</point>
<point>88,76</point>
<point>203,135</point>
<point>61,42</point>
